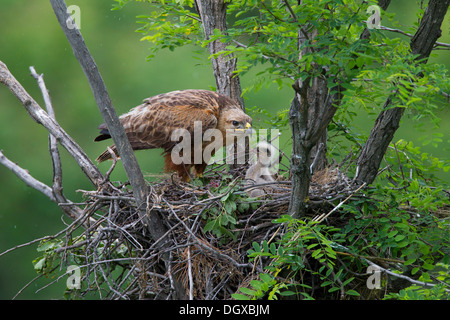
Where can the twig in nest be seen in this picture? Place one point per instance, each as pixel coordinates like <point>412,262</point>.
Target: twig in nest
<point>114,162</point>
<point>206,246</point>
<point>322,217</point>
<point>191,280</point>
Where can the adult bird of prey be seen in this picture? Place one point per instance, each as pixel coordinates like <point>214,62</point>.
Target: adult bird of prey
<point>151,125</point>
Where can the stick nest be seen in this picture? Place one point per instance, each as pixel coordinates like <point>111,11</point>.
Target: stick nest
<point>206,243</point>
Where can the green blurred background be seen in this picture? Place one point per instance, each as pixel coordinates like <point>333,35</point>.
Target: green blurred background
<point>31,36</point>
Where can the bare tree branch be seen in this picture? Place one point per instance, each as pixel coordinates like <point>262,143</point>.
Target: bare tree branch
<point>41,117</point>
<point>72,211</point>
<point>437,43</point>
<point>26,177</point>
<point>53,144</point>
<point>204,245</point>
<point>109,115</point>
<point>401,276</point>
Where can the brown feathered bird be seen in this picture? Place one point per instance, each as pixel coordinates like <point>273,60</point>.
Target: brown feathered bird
<point>151,124</point>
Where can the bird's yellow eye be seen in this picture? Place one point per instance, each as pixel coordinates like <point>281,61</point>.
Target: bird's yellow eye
<point>235,123</point>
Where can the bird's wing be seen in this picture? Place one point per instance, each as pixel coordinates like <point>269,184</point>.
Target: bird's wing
<point>152,125</point>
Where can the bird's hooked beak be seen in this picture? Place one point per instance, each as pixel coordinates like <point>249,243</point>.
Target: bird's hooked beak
<point>247,130</point>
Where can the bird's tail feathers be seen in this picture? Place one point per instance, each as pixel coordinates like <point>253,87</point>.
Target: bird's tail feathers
<point>108,154</point>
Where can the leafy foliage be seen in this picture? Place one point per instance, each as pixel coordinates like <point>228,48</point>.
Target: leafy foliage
<point>55,260</point>
<point>385,225</point>
<point>170,25</point>
<point>221,219</point>
<point>294,255</point>
<point>264,36</point>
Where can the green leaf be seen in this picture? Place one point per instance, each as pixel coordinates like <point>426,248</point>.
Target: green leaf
<point>39,264</point>
<point>247,291</point>
<point>243,206</point>
<point>353,293</point>
<point>273,249</point>
<point>239,296</point>
<point>265,246</point>
<point>225,197</point>
<point>256,284</point>
<point>312,246</point>
<point>402,244</point>
<point>333,289</point>
<point>392,233</point>
<point>415,270</point>
<point>428,266</point>
<point>424,249</point>
<point>267,278</point>
<point>316,253</point>
<point>209,226</point>
<point>410,261</point>
<point>256,246</point>
<point>346,282</point>
<point>287,293</point>
<point>425,277</point>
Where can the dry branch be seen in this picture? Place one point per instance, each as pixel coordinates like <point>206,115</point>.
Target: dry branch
<point>53,144</point>
<point>41,117</point>
<point>26,177</point>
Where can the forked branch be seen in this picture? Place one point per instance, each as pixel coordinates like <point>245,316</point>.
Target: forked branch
<point>54,193</point>
<point>40,116</point>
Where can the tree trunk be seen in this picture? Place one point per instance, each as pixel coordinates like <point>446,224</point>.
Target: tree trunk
<point>310,113</point>
<point>388,120</point>
<point>213,14</point>
<point>300,158</point>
